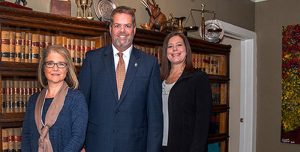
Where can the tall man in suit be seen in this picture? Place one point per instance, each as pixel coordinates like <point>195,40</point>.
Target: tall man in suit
<point>127,119</point>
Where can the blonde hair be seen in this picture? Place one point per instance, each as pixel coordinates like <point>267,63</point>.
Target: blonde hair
<point>71,78</point>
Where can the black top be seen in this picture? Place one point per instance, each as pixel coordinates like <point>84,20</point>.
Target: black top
<point>189,106</point>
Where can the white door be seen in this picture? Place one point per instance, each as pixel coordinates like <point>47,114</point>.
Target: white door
<point>243,88</point>
<point>234,92</point>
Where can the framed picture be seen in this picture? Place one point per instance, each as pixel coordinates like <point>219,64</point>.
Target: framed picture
<point>290,99</point>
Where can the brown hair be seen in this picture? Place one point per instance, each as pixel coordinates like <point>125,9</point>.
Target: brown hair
<point>125,10</point>
<point>165,63</point>
<point>71,78</point>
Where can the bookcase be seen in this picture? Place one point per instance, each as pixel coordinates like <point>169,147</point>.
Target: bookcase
<point>25,33</point>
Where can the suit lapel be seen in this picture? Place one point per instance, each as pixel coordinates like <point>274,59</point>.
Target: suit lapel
<point>131,71</point>
<point>110,70</point>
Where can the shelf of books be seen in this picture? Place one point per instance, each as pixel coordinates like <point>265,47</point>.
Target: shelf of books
<point>214,60</point>
<point>25,34</point>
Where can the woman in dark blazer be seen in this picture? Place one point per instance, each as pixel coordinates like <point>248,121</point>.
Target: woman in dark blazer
<point>186,98</point>
<point>56,118</point>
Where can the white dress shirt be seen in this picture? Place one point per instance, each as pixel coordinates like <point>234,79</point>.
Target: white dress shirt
<point>126,56</point>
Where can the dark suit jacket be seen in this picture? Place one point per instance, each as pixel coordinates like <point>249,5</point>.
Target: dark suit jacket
<point>189,112</point>
<point>132,124</point>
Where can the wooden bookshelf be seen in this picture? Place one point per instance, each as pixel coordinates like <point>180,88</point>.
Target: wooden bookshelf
<point>209,57</point>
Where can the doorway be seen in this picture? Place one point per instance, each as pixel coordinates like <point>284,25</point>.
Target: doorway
<point>243,90</point>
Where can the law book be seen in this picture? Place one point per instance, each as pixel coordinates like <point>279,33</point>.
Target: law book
<point>194,55</point>
<point>4,140</point>
<point>82,51</point>
<point>8,97</point>
<point>3,96</point>
<point>24,95</point>
<point>222,65</point>
<point>58,40</point>
<point>42,44</point>
<point>77,51</point>
<point>11,143</point>
<point>93,45</point>
<point>215,88</point>
<point>35,53</point>
<point>20,92</point>
<point>101,43</point>
<point>15,96</point>
<point>200,61</point>
<point>48,41</point>
<point>23,43</point>
<point>12,45</point>
<point>87,47</point>
<point>64,41</point>
<point>17,139</point>
<point>53,39</point>
<point>223,92</point>
<point>68,47</point>
<point>73,51</point>
<point>223,120</point>
<point>35,86</point>
<point>18,46</point>
<point>27,47</point>
<point>159,52</point>
<point>5,45</point>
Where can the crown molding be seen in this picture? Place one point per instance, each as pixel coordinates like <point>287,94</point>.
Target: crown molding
<point>255,1</point>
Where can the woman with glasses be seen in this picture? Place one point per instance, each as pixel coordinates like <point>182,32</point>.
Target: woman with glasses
<point>56,118</point>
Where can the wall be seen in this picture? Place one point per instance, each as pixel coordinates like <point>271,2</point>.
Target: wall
<point>240,14</point>
<point>270,16</point>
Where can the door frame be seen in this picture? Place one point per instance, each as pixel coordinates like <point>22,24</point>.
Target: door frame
<point>248,86</point>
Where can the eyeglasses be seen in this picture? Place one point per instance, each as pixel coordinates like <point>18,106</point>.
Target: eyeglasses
<point>51,64</point>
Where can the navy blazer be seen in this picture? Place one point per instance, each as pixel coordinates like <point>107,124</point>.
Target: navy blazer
<point>68,132</point>
<point>135,122</point>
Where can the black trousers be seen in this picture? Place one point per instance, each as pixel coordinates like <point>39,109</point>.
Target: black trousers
<point>163,148</point>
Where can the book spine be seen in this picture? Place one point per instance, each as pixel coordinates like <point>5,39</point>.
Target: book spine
<point>58,40</point>
<point>47,41</point>
<point>93,45</point>
<point>35,48</point>
<point>17,139</point>
<point>4,140</point>
<point>11,143</point>
<point>12,45</point>
<point>20,93</point>
<point>16,96</point>
<point>18,46</point>
<point>23,44</point>
<point>9,96</point>
<point>42,44</point>
<point>77,51</point>
<point>24,95</point>
<point>73,52</point>
<point>27,47</point>
<point>5,45</point>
